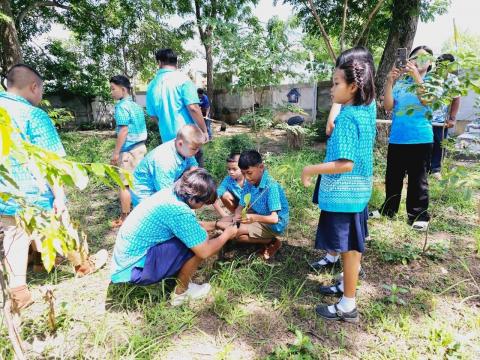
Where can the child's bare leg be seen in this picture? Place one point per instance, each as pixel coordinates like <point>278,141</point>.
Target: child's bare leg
<point>229,201</point>
<point>125,200</point>
<point>186,273</point>
<point>351,264</point>
<point>243,236</point>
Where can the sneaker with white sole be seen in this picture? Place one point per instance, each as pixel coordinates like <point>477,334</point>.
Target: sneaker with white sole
<point>193,292</point>
<point>375,214</point>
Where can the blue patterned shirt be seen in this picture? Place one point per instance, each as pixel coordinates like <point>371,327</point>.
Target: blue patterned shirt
<point>266,198</point>
<point>35,127</point>
<point>128,113</point>
<point>230,184</point>
<point>352,139</point>
<point>412,128</point>
<point>168,96</point>
<point>440,115</point>
<point>156,220</point>
<point>159,169</point>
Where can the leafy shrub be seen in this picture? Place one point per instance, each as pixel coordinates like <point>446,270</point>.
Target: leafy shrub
<point>217,151</point>
<point>259,119</point>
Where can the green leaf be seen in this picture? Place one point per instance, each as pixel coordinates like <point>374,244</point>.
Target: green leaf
<point>98,169</point>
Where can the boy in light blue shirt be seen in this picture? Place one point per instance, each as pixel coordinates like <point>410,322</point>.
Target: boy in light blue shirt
<point>20,101</point>
<point>162,238</point>
<point>131,135</point>
<point>230,189</point>
<point>166,163</point>
<point>267,213</point>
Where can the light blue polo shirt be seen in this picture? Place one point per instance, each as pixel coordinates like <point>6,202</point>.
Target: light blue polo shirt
<point>352,139</point>
<point>128,113</point>
<point>159,169</point>
<point>168,96</point>
<point>230,184</point>
<point>409,129</point>
<point>37,128</point>
<point>266,198</point>
<point>156,220</point>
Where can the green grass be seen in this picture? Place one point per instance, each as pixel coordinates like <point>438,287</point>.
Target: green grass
<point>264,310</point>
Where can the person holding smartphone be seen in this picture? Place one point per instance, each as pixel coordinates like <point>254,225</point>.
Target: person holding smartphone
<point>411,139</point>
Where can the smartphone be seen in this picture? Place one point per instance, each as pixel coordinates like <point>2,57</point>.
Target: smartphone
<point>401,59</point>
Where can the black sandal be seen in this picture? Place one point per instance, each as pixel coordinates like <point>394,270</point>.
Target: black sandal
<point>320,267</point>
<point>338,315</point>
<point>331,290</point>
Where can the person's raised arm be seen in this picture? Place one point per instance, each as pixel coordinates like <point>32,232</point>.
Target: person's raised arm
<point>388,95</point>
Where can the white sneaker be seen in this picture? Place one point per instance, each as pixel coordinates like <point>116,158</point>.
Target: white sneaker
<point>420,225</point>
<point>193,292</point>
<point>437,175</point>
<point>375,214</point>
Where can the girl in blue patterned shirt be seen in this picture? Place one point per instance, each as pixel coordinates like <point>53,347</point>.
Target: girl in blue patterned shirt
<point>346,184</point>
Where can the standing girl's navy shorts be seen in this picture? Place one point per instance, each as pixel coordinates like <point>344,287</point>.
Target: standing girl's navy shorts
<point>162,261</point>
<point>342,232</point>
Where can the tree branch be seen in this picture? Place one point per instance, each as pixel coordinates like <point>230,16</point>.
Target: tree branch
<point>198,15</point>
<point>326,38</point>
<point>369,20</point>
<point>39,4</point>
<point>342,36</point>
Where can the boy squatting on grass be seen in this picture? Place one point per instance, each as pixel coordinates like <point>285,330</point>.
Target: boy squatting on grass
<point>346,183</point>
<point>166,163</point>
<point>161,238</point>
<point>230,189</point>
<point>267,213</point>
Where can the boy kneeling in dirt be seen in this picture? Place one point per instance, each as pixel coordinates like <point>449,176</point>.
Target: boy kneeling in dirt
<point>266,215</point>
<point>161,238</point>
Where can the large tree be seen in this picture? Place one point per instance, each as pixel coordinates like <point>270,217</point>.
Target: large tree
<point>211,17</point>
<point>107,37</point>
<point>377,24</point>
<point>22,20</point>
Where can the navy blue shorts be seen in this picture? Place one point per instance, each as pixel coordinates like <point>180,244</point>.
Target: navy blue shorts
<point>342,232</point>
<point>163,260</point>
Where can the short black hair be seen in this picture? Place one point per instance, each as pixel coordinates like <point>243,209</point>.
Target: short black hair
<point>232,157</point>
<point>200,91</point>
<point>197,185</point>
<point>13,73</point>
<point>357,52</point>
<point>121,80</point>
<point>445,57</point>
<point>166,56</point>
<point>360,73</point>
<point>249,158</point>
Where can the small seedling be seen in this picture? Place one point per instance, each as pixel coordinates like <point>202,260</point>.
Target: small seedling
<point>246,200</point>
<point>395,291</point>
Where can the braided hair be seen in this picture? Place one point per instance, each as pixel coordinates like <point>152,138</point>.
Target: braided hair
<point>360,73</point>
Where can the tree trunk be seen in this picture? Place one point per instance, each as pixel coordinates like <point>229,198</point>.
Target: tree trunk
<point>10,50</point>
<point>209,58</point>
<point>402,33</point>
